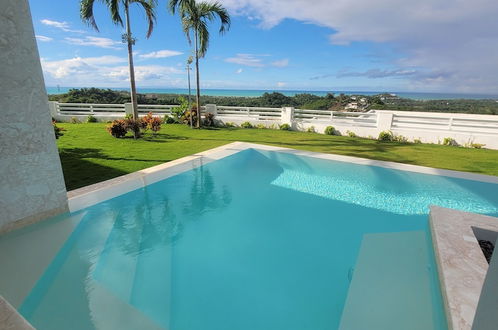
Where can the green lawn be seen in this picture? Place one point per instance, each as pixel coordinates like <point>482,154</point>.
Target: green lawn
<point>89,154</point>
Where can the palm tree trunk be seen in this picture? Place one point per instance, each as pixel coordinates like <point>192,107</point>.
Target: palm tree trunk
<point>131,66</point>
<point>198,96</point>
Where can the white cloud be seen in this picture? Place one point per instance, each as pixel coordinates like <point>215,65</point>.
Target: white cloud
<point>239,71</point>
<point>43,38</point>
<point>455,37</point>
<point>246,59</point>
<point>281,63</point>
<point>281,84</point>
<point>105,71</point>
<point>64,26</point>
<point>161,54</point>
<point>95,42</point>
<point>255,61</point>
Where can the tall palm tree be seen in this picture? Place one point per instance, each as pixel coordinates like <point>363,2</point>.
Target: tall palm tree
<point>195,17</point>
<point>149,6</point>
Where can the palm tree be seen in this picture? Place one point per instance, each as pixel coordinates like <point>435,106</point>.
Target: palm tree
<point>195,17</point>
<point>86,12</point>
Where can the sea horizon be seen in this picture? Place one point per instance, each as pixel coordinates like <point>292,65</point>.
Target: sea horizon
<point>51,90</point>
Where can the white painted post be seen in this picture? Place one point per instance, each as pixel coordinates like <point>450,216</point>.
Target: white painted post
<point>211,108</point>
<point>287,115</point>
<point>384,121</point>
<point>450,123</point>
<point>128,109</point>
<point>52,105</point>
<point>91,109</point>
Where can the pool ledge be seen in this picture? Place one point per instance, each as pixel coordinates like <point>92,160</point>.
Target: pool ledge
<point>461,264</point>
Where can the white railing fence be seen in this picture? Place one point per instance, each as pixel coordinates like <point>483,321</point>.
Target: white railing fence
<point>429,127</point>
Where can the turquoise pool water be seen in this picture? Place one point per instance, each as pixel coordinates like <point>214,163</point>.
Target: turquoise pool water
<point>257,240</point>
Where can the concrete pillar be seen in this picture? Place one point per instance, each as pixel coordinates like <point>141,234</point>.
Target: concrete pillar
<point>384,121</point>
<point>128,109</point>
<point>211,108</point>
<point>31,181</point>
<point>287,115</point>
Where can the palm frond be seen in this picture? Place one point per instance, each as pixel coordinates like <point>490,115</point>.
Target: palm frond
<point>114,8</point>
<point>203,34</point>
<point>209,11</point>
<point>86,13</point>
<point>149,7</point>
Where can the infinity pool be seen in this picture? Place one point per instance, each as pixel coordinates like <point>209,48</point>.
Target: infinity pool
<point>257,240</point>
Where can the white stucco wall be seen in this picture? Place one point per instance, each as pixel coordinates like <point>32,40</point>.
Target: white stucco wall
<point>31,181</point>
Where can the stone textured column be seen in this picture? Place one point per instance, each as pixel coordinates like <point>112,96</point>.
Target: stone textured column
<point>31,181</point>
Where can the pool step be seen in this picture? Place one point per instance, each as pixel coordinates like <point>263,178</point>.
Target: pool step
<point>390,286</point>
<point>110,312</point>
<point>117,261</point>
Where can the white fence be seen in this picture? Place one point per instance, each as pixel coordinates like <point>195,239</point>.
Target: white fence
<point>430,127</point>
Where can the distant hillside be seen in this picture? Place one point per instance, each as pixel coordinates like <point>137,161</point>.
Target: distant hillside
<point>340,102</point>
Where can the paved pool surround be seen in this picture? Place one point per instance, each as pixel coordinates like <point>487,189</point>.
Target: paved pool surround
<point>456,308</point>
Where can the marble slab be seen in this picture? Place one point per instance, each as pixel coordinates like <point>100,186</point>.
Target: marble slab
<point>461,263</point>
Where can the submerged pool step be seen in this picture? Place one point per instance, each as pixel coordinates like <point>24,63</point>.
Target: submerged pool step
<point>391,285</point>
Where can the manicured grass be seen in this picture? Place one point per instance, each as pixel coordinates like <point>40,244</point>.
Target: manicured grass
<point>89,154</point>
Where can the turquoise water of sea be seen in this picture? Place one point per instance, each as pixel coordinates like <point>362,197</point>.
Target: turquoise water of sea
<point>256,93</point>
<point>257,240</point>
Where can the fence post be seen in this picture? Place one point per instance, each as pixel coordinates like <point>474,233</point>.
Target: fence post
<point>128,109</point>
<point>211,108</point>
<point>450,123</point>
<point>52,105</point>
<point>287,115</point>
<point>384,120</point>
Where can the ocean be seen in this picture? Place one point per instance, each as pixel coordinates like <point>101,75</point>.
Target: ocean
<point>256,93</point>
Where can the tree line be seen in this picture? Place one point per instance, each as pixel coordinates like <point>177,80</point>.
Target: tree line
<point>277,100</point>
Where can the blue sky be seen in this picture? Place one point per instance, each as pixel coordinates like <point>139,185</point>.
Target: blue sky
<point>362,45</point>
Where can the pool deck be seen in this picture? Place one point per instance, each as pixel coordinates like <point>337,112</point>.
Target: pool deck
<point>461,264</point>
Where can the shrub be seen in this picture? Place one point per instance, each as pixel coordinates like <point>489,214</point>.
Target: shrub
<point>135,126</point>
<point>273,126</point>
<point>117,128</point>
<point>75,120</point>
<point>208,119</point>
<point>330,130</point>
<point>477,145</point>
<point>170,120</point>
<point>285,127</point>
<point>91,119</point>
<point>311,129</point>
<point>448,141</point>
<point>246,124</point>
<point>417,141</point>
<point>57,130</point>
<point>230,124</point>
<point>190,115</point>
<point>261,126</point>
<point>351,134</point>
<point>386,136</point>
<point>151,122</point>
<point>400,138</point>
<point>180,110</point>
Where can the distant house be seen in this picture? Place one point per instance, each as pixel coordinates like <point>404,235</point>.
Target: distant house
<point>351,106</point>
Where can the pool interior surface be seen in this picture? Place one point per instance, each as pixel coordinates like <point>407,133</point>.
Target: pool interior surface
<point>257,240</point>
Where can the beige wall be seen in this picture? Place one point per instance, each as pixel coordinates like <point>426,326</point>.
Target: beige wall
<point>31,182</point>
